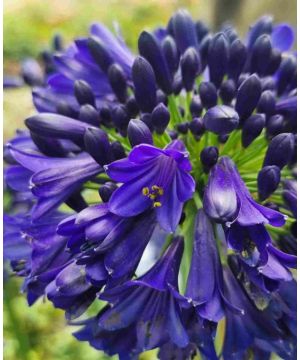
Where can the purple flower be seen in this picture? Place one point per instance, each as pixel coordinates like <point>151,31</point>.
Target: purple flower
<point>227,199</point>
<point>154,311</point>
<point>52,180</point>
<point>205,281</point>
<point>155,178</point>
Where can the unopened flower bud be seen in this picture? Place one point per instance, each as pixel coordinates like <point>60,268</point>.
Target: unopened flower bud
<point>208,94</point>
<point>268,180</point>
<point>89,114</point>
<point>209,157</point>
<point>144,84</point>
<point>100,53</point>
<point>83,93</point>
<point>138,133</point>
<point>106,191</point>
<point>227,91</point>
<point>160,118</point>
<point>118,82</point>
<point>190,67</point>
<point>218,54</point>
<point>151,50</point>
<point>248,95</point>
<point>97,145</point>
<point>221,119</point>
<point>252,128</point>
<point>280,150</point>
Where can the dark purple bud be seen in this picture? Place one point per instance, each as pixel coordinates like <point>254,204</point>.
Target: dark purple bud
<point>209,157</point>
<point>150,49</point>
<point>173,134</point>
<point>208,94</point>
<point>184,30</point>
<point>280,150</point>
<point>183,127</point>
<point>132,107</point>
<point>120,117</point>
<point>196,106</point>
<point>203,49</point>
<point>218,54</point>
<point>262,26</point>
<point>261,54</point>
<point>248,95</point>
<point>227,91</point>
<point>190,67</point>
<point>237,59</point>
<point>106,191</point>
<point>117,150</point>
<point>83,93</point>
<point>32,72</point>
<point>100,53</point>
<point>221,119</point>
<point>275,125</point>
<point>48,61</point>
<point>285,73</point>
<point>171,54</point>
<point>266,103</point>
<point>147,119</point>
<point>160,118</point>
<point>57,126</point>
<point>201,30</point>
<point>242,78</point>
<point>76,201</point>
<point>252,128</point>
<point>89,114</point>
<point>268,180</point>
<point>177,85</point>
<point>161,97</point>
<point>118,81</point>
<point>138,133</point>
<point>197,126</point>
<point>105,115</point>
<point>144,84</point>
<point>97,145</point>
<point>274,62</point>
<point>58,44</point>
<point>63,108</point>
<point>230,33</point>
<point>48,146</point>
<point>268,83</point>
<point>290,199</point>
<point>223,138</point>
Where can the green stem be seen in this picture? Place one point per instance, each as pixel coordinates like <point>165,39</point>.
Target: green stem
<point>175,114</point>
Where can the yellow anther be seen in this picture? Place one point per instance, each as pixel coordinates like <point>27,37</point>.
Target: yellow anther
<point>154,187</point>
<point>160,191</point>
<point>145,191</point>
<point>157,204</point>
<point>152,196</point>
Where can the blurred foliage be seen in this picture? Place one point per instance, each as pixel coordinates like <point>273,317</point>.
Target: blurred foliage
<point>40,332</point>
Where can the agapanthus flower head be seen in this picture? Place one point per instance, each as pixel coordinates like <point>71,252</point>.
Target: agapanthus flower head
<point>163,184</point>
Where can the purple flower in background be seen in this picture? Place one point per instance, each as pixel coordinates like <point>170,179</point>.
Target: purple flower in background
<point>155,178</point>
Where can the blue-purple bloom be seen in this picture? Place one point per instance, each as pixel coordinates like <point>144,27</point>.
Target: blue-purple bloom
<point>153,177</point>
<point>162,184</point>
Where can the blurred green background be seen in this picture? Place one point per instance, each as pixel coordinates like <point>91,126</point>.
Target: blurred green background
<point>39,332</point>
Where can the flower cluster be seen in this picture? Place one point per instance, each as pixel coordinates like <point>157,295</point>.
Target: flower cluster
<point>162,187</point>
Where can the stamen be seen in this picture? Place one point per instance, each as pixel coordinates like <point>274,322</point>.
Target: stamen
<point>157,204</point>
<point>145,191</point>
